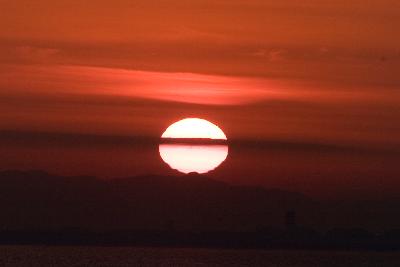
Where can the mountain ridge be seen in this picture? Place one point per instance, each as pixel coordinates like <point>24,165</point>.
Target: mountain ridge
<point>39,199</point>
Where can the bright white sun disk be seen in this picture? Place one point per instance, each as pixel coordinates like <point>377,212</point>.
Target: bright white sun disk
<point>196,158</point>
<point>194,128</point>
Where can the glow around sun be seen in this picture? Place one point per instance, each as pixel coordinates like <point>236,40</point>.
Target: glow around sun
<point>194,128</point>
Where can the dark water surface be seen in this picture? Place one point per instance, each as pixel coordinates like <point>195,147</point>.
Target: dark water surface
<point>128,256</point>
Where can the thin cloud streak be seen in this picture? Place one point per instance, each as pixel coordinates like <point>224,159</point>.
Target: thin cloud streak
<point>177,87</point>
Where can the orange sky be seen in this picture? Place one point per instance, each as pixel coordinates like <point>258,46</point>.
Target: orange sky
<point>323,71</point>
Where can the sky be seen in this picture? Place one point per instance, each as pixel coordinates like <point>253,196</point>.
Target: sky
<point>308,72</point>
<point>324,71</point>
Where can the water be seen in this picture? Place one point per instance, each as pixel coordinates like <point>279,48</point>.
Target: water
<point>127,256</point>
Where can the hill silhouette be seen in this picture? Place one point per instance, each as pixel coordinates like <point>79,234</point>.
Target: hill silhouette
<point>39,200</point>
<point>192,210</point>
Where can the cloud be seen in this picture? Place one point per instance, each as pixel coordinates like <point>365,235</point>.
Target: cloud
<point>315,63</point>
<point>277,55</point>
<point>85,99</point>
<point>177,87</point>
<point>36,54</point>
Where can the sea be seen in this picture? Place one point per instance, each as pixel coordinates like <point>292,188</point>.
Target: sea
<point>32,256</point>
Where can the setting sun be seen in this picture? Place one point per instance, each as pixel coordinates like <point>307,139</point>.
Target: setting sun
<point>194,128</point>
<point>193,158</point>
<point>196,157</point>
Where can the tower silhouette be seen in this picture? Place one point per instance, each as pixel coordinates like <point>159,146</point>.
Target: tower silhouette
<point>290,219</point>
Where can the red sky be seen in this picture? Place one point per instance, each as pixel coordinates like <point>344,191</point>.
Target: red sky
<point>323,72</point>
<point>314,70</point>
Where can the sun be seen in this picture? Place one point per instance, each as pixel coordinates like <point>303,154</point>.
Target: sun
<point>193,158</point>
<point>194,128</point>
<point>198,156</point>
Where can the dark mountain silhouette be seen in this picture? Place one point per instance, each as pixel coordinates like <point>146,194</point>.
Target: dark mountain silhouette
<point>192,210</point>
<point>38,200</point>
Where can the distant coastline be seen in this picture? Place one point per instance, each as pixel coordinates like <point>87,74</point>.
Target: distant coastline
<point>338,240</point>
